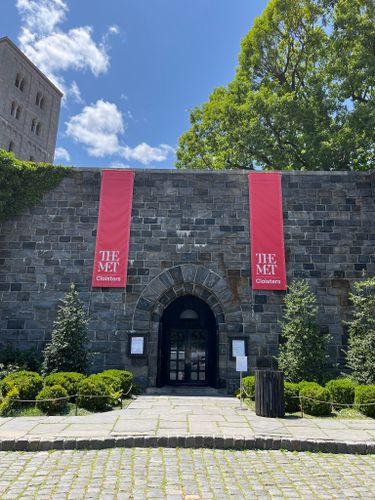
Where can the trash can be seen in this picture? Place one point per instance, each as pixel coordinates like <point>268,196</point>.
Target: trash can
<point>269,393</point>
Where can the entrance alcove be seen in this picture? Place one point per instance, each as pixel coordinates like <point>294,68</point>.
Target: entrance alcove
<point>188,344</point>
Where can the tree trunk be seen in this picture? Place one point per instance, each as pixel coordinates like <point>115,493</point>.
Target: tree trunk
<point>269,393</point>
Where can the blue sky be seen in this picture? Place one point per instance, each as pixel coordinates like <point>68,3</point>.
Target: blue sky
<point>130,69</point>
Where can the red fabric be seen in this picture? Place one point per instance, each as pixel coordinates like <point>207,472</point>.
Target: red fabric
<point>112,240</point>
<point>266,232</point>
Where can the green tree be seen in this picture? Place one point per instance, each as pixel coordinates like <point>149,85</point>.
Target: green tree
<point>303,355</point>
<point>67,349</point>
<point>303,95</point>
<point>361,343</point>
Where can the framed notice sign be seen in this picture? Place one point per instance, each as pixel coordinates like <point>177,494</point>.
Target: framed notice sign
<point>238,347</point>
<point>137,345</point>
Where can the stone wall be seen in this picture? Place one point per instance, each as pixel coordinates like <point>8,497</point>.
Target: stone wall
<point>189,235</point>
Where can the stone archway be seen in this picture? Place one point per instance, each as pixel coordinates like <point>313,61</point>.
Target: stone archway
<point>186,279</point>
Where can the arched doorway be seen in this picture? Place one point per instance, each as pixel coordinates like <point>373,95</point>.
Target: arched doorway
<point>187,347</point>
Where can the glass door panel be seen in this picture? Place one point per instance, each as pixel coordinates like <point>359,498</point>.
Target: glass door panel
<point>187,351</point>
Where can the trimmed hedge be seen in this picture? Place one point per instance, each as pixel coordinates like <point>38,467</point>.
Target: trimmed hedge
<point>52,407</point>
<point>291,393</point>
<point>363,395</point>
<point>317,400</point>
<point>94,386</point>
<point>27,383</point>
<point>341,390</point>
<point>8,405</point>
<point>68,380</point>
<point>120,380</point>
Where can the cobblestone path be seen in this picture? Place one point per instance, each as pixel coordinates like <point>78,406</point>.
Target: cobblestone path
<point>142,473</point>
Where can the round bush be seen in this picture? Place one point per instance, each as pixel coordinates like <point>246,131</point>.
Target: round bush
<point>125,379</point>
<point>27,383</point>
<point>68,380</point>
<point>8,405</point>
<point>315,400</point>
<point>51,392</point>
<point>341,390</point>
<point>249,386</point>
<point>94,386</point>
<point>291,393</point>
<point>364,395</point>
<point>305,384</point>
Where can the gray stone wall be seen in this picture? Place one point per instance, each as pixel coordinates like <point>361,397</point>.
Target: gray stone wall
<point>17,127</point>
<point>189,235</point>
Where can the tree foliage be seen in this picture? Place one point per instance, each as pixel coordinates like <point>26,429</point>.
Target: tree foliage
<point>361,343</point>
<point>67,350</point>
<point>303,96</point>
<point>23,183</point>
<point>303,355</point>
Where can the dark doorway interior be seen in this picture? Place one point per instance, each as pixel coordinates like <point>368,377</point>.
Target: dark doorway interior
<point>187,348</point>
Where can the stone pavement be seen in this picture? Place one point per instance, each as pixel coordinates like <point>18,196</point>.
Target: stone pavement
<point>183,474</point>
<point>190,422</point>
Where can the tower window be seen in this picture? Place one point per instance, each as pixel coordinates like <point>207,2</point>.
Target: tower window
<point>33,125</point>
<point>13,108</point>
<point>11,147</point>
<point>18,112</point>
<point>19,82</point>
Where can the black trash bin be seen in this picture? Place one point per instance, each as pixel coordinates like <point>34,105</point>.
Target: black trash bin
<point>269,393</point>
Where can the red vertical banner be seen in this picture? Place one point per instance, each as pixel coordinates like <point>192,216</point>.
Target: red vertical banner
<point>266,231</point>
<point>113,234</point>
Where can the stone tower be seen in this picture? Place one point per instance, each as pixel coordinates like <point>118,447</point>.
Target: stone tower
<point>29,107</point>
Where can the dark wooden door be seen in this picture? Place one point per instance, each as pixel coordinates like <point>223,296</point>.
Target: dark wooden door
<point>187,357</point>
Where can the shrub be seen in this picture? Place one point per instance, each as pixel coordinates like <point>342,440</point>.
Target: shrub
<point>341,390</point>
<point>51,392</point>
<point>291,393</point>
<point>305,384</point>
<point>361,341</point>
<point>119,380</point>
<point>28,359</point>
<point>7,369</point>
<point>8,405</point>
<point>94,386</point>
<point>27,383</point>
<point>249,386</point>
<point>68,380</point>
<point>67,350</point>
<point>363,395</point>
<point>317,400</point>
<point>303,355</point>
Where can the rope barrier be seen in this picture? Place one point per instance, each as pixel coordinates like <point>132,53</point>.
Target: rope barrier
<point>333,403</point>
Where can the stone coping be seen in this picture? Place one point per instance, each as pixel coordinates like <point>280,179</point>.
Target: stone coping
<point>192,441</point>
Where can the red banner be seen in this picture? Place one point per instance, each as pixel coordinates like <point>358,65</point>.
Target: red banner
<point>112,239</point>
<point>266,232</point>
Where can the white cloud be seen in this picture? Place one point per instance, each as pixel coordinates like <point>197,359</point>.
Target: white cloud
<point>41,16</point>
<point>98,128</point>
<point>75,92</point>
<point>62,154</point>
<point>146,154</point>
<point>114,29</point>
<point>54,50</point>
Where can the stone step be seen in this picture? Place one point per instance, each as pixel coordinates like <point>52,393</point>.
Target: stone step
<point>169,390</point>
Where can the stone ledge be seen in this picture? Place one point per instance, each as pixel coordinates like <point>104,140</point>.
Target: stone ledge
<point>258,442</point>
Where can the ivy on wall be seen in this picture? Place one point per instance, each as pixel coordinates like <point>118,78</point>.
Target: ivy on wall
<point>23,183</point>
